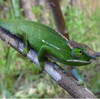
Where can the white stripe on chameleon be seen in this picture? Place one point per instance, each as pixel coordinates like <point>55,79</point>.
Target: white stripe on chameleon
<point>43,41</point>
<point>53,46</point>
<point>79,61</point>
<point>50,44</point>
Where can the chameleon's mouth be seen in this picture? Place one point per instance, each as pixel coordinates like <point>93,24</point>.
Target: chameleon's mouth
<point>79,61</point>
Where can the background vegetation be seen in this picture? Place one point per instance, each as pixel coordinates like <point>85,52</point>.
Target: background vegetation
<point>21,78</point>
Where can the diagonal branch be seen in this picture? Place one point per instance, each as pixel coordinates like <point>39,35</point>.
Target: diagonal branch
<point>62,78</point>
<point>58,17</point>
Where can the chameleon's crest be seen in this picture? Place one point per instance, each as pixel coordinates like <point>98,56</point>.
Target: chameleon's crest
<point>85,49</point>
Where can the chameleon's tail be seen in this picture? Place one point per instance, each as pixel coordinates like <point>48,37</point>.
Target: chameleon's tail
<point>2,23</point>
<point>7,25</point>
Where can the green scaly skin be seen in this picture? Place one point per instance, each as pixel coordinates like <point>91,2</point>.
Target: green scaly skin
<point>48,43</point>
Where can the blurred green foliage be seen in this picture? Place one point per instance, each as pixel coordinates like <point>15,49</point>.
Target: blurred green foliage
<point>19,78</point>
<point>84,28</point>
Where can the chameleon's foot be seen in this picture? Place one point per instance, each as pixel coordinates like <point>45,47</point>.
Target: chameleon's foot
<point>77,76</point>
<point>82,83</point>
<point>25,51</point>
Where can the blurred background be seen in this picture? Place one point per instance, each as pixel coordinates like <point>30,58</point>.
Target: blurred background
<point>19,78</point>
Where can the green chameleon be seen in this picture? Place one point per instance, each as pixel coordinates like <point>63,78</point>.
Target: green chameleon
<point>49,43</point>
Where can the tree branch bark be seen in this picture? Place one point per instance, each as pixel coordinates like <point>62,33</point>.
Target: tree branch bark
<point>61,77</point>
<point>58,17</point>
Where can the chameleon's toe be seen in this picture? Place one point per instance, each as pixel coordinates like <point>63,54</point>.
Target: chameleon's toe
<point>82,83</point>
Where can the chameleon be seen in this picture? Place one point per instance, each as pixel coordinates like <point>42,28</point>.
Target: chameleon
<point>49,43</point>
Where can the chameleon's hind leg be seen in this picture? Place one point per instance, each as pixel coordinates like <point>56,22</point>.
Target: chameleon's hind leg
<point>44,50</point>
<point>25,50</point>
<point>77,75</point>
<point>23,34</point>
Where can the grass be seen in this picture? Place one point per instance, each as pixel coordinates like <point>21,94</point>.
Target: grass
<point>86,30</point>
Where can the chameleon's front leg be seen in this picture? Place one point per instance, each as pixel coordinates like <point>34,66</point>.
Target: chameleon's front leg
<point>44,50</point>
<point>76,75</point>
<point>23,34</point>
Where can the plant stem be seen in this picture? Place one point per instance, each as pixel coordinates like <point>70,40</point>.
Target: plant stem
<point>7,65</point>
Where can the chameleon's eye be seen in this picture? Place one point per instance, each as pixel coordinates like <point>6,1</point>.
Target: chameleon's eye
<point>76,53</point>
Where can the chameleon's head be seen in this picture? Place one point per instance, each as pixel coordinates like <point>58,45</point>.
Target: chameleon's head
<point>81,54</point>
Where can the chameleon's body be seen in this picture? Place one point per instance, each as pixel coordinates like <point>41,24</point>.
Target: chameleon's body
<point>49,43</point>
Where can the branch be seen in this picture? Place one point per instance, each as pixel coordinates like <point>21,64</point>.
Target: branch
<point>58,17</point>
<point>26,5</point>
<point>62,78</point>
